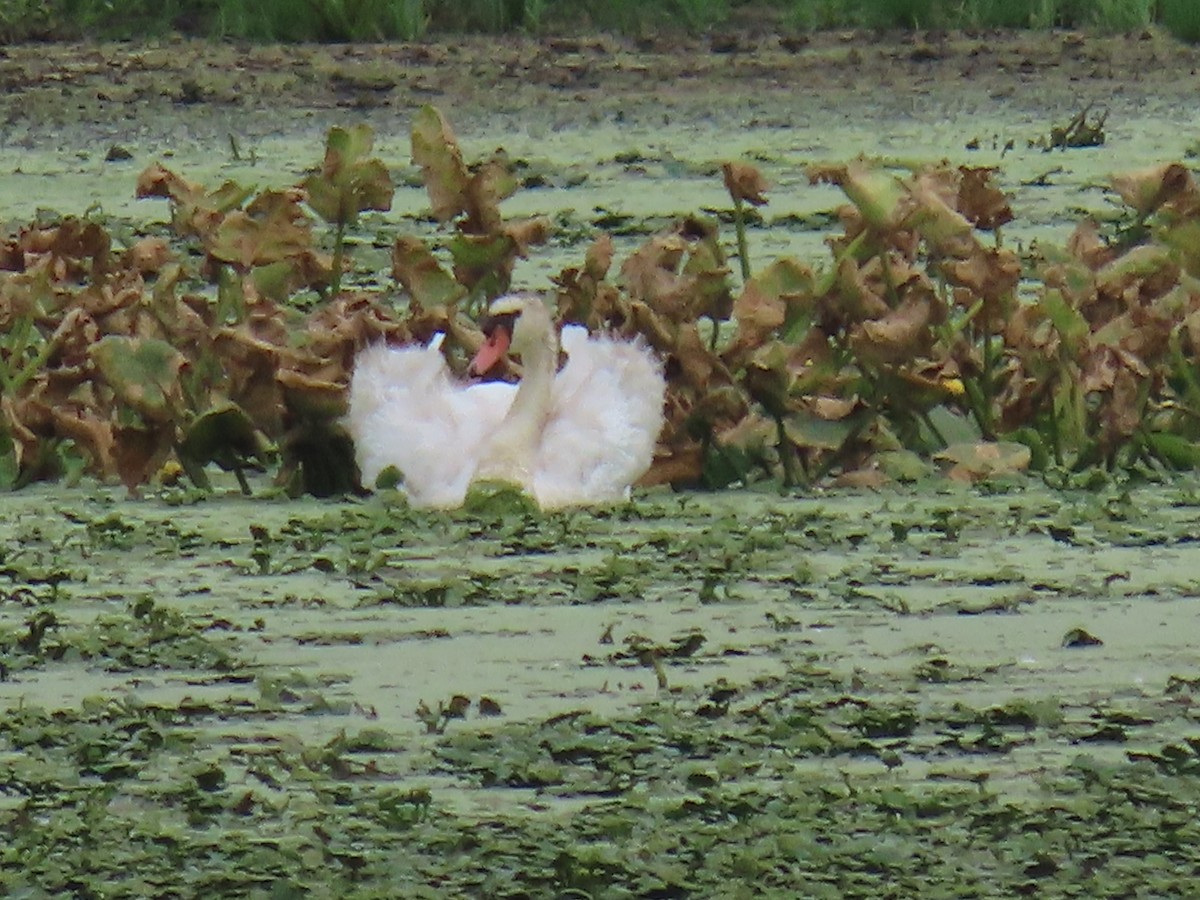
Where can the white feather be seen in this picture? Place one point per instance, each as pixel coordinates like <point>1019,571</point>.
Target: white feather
<point>598,436</point>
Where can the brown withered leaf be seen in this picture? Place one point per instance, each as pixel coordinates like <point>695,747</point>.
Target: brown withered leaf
<point>92,434</point>
<point>744,183</point>
<point>156,180</point>
<point>651,326</point>
<point>933,197</point>
<point>12,256</point>
<point>1121,410</point>
<point>599,256</point>
<point>859,294</point>
<point>984,459</point>
<point>989,274</point>
<point>878,195</point>
<point>870,477</point>
<point>140,452</point>
<point>251,364</point>
<point>706,270</point>
<point>758,313</point>
<point>77,240</point>
<point>490,183</point>
<point>652,270</point>
<point>147,256</point>
<point>983,204</point>
<point>680,273</point>
<point>833,409</point>
<point>526,233</point>
<point>195,211</point>
<point>1147,189</point>
<point>272,229</point>
<point>72,339</point>
<point>419,273</point>
<point>1190,331</point>
<point>315,398</point>
<point>682,465</point>
<point>779,295</point>
<point>1086,245</point>
<point>335,331</point>
<point>698,366</point>
<point>900,336</point>
<point>18,418</point>
<point>436,151</point>
<point>69,251</point>
<point>1141,274</point>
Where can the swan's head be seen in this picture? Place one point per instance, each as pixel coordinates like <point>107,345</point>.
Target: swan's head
<point>517,324</point>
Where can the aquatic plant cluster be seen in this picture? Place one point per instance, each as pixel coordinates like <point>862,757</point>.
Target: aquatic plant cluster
<point>373,20</point>
<point>190,710</point>
<point>923,336</point>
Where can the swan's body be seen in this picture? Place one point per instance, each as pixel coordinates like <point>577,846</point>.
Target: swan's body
<point>579,436</point>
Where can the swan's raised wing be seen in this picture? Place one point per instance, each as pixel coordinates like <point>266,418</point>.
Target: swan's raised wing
<point>606,414</point>
<point>406,410</point>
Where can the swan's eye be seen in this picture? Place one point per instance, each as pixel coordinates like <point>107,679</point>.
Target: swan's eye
<point>504,321</point>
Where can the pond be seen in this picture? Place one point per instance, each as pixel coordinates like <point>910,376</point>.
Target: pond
<point>928,690</point>
<point>275,691</point>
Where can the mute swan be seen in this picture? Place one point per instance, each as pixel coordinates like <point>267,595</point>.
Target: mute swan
<point>580,436</point>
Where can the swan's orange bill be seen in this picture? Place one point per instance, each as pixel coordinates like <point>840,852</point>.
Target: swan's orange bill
<point>493,350</point>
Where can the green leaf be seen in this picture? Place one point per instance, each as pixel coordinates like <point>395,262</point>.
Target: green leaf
<point>1065,318</point>
<point>143,373</point>
<point>806,430</point>
<point>348,183</point>
<point>499,498</point>
<point>224,435</point>
<point>1173,449</point>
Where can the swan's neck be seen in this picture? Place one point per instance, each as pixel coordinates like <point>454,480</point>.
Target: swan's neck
<point>513,447</point>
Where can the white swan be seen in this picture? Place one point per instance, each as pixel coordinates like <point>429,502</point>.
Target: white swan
<point>580,436</point>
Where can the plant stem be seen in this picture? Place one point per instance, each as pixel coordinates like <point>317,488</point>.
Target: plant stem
<point>339,239</point>
<point>928,422</point>
<point>739,226</point>
<point>33,366</point>
<point>785,453</point>
<point>986,385</point>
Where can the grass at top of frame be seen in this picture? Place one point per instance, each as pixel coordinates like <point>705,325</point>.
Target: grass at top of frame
<point>378,20</point>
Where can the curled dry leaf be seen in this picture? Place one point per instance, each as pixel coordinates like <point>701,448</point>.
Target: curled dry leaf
<point>1145,190</point>
<point>526,233</point>
<point>982,203</point>
<point>435,150</point>
<point>877,195</point>
<point>195,211</point>
<point>490,183</point>
<point>744,183</point>
<point>598,259</point>
<point>990,275</point>
<point>422,276</point>
<point>932,196</point>
<point>147,256</point>
<point>902,335</point>
<point>974,461</point>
